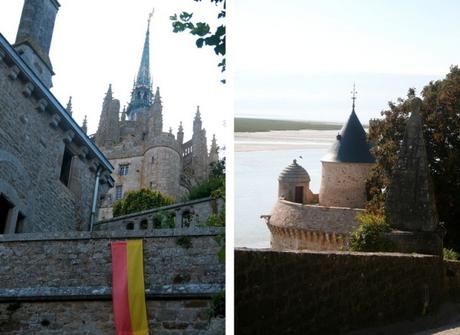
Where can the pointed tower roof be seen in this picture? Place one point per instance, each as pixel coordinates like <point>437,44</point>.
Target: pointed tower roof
<point>351,144</point>
<point>142,95</point>
<point>198,114</point>
<point>157,98</point>
<point>143,76</point>
<point>108,95</point>
<point>85,125</point>
<point>69,106</point>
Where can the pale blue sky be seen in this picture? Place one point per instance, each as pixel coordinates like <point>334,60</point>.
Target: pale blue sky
<point>96,43</point>
<point>299,59</point>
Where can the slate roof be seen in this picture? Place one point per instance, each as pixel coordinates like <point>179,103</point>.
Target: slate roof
<point>351,144</point>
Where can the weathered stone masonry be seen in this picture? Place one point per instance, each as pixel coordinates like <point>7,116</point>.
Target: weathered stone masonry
<point>65,278</point>
<point>307,292</point>
<point>34,131</point>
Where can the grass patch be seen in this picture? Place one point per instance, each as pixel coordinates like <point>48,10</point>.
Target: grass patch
<point>450,255</point>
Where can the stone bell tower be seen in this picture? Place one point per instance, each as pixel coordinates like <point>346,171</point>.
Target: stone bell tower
<point>33,40</point>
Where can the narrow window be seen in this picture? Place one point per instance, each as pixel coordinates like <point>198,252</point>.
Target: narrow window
<point>5,207</point>
<point>118,192</point>
<point>123,169</point>
<point>66,166</point>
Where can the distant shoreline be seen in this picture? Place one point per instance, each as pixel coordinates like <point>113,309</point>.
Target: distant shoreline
<point>251,125</point>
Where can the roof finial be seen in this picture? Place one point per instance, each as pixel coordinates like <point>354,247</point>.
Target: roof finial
<point>84,127</point>
<point>353,96</point>
<point>69,106</point>
<point>150,18</point>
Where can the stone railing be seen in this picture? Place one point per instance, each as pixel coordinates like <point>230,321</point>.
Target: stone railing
<point>185,215</point>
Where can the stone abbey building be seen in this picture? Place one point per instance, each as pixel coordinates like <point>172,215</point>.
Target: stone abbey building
<point>143,154</point>
<point>55,271</point>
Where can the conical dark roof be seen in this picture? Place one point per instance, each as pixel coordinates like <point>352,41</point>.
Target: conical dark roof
<point>351,144</point>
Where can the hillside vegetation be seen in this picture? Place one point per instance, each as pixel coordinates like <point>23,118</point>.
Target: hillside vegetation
<point>253,125</point>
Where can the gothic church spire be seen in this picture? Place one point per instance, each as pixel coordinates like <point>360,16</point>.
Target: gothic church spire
<point>143,76</point>
<point>142,95</point>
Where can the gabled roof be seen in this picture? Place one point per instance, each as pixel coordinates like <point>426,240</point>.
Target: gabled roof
<point>351,144</point>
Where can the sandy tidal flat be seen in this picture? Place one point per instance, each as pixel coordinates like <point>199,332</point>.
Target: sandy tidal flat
<point>284,140</point>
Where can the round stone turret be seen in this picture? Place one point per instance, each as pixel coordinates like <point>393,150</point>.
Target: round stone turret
<point>345,168</point>
<point>294,184</point>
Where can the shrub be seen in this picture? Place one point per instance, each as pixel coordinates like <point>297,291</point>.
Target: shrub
<point>206,188</point>
<point>185,242</point>
<point>369,235</point>
<point>214,186</point>
<point>140,200</point>
<point>217,308</point>
<point>163,219</point>
<point>450,255</point>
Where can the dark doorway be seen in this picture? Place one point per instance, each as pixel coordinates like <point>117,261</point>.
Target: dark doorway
<point>299,194</point>
<point>5,207</point>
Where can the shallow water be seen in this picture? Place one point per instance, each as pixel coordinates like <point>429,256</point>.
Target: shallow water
<point>257,170</point>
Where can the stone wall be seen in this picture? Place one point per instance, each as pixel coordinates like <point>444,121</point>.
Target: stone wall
<point>190,214</point>
<point>305,226</point>
<point>343,184</point>
<point>185,316</point>
<point>32,141</point>
<point>62,282</point>
<point>329,293</point>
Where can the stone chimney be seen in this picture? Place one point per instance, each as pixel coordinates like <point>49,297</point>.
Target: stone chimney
<point>34,36</point>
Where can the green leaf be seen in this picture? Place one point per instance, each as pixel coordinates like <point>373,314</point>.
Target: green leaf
<point>199,42</point>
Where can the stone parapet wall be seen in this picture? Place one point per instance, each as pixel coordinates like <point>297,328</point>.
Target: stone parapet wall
<point>61,282</point>
<point>285,238</point>
<point>305,292</point>
<point>83,260</point>
<point>337,220</point>
<point>187,215</point>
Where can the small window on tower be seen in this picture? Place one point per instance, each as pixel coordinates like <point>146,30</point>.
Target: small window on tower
<point>66,166</point>
<point>118,192</point>
<point>123,169</point>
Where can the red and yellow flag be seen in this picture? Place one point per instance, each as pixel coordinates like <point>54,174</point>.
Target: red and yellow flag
<point>128,295</point>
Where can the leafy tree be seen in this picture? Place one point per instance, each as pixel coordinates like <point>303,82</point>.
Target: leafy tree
<point>440,113</point>
<point>140,200</point>
<point>216,39</point>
